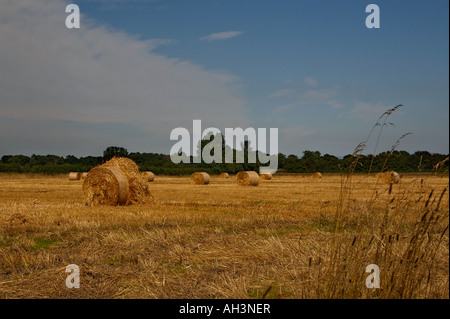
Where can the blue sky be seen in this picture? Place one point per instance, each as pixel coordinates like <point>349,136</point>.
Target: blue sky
<point>135,70</point>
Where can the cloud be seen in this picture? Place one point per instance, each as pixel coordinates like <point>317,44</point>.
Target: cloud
<point>161,42</point>
<point>335,104</point>
<point>98,75</point>
<point>310,81</point>
<point>368,112</point>
<point>293,137</point>
<point>318,96</point>
<point>284,107</point>
<point>221,36</point>
<point>281,93</point>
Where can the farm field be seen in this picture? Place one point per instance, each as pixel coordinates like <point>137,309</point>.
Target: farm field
<point>290,237</point>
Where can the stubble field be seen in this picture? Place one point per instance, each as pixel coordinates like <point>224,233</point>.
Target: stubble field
<point>290,237</point>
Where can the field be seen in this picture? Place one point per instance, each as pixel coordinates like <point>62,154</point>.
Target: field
<point>290,237</point>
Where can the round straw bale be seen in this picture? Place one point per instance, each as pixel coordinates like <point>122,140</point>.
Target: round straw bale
<point>224,175</point>
<point>149,176</point>
<point>137,184</point>
<point>113,188</point>
<point>125,164</point>
<point>200,178</point>
<point>389,177</point>
<point>317,175</point>
<point>266,176</point>
<point>84,175</point>
<point>74,176</point>
<point>247,178</point>
<point>106,186</point>
<point>395,177</point>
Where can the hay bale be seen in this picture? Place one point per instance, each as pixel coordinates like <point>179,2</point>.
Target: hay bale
<point>266,176</point>
<point>149,176</point>
<point>390,177</point>
<point>116,182</point>
<point>200,178</point>
<point>224,175</point>
<point>123,163</point>
<point>317,175</point>
<point>106,186</point>
<point>247,178</point>
<point>395,177</point>
<point>74,176</point>
<point>84,175</point>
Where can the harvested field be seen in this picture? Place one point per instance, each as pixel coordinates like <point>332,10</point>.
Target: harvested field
<point>294,237</point>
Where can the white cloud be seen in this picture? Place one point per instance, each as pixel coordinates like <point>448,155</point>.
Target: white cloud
<point>98,75</point>
<point>368,112</point>
<point>309,97</point>
<point>293,138</point>
<point>281,93</point>
<point>335,104</point>
<point>285,107</point>
<point>310,81</point>
<point>221,35</point>
<point>319,95</point>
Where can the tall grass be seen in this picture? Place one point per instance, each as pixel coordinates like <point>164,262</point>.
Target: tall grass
<point>407,262</point>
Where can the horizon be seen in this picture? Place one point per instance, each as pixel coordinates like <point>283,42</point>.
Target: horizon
<point>167,154</point>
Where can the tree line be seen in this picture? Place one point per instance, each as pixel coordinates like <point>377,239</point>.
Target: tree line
<point>309,162</point>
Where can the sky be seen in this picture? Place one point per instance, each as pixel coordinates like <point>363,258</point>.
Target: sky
<point>137,69</point>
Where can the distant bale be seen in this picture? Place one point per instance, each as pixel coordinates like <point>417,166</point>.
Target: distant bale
<point>317,175</point>
<point>200,178</point>
<point>149,176</point>
<point>84,175</point>
<point>247,178</point>
<point>395,177</point>
<point>224,175</point>
<point>116,182</point>
<point>266,176</point>
<point>390,177</point>
<point>74,176</point>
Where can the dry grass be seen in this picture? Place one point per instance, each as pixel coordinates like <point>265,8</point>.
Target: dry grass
<point>291,238</point>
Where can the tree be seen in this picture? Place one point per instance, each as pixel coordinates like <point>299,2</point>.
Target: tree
<point>20,160</point>
<point>291,163</point>
<point>113,151</point>
<point>6,158</point>
<point>311,154</point>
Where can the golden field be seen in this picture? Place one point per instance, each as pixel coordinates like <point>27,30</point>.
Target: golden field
<point>290,237</point>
